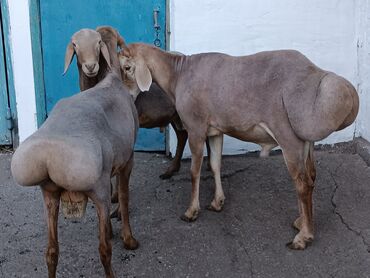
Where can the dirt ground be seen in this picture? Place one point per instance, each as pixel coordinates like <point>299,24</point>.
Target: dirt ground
<point>246,239</point>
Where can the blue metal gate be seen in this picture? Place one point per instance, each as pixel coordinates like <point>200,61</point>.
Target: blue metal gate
<point>5,114</point>
<point>60,19</point>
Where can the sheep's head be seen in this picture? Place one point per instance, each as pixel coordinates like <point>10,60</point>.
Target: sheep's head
<point>135,73</point>
<point>87,44</point>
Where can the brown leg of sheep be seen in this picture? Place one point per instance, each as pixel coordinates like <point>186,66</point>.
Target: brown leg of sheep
<point>196,144</point>
<point>215,153</point>
<point>182,137</point>
<point>51,201</point>
<point>209,167</point>
<point>102,203</point>
<point>114,189</point>
<point>266,148</point>
<point>302,170</point>
<point>129,242</point>
<point>116,214</point>
<point>310,168</point>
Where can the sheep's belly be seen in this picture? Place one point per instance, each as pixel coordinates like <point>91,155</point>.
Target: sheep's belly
<point>259,134</point>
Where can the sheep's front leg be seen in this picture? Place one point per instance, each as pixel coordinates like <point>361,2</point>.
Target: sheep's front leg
<point>129,241</point>
<point>51,201</point>
<point>215,146</point>
<point>196,147</point>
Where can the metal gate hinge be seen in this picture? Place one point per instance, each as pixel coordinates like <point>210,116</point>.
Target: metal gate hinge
<point>9,118</point>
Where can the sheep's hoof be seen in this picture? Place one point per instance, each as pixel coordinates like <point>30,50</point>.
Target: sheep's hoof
<point>187,219</point>
<point>190,216</point>
<point>169,172</point>
<point>216,206</point>
<point>114,198</point>
<point>208,168</point>
<point>212,208</point>
<point>166,175</point>
<point>130,243</point>
<point>299,244</point>
<point>116,214</point>
<point>296,246</point>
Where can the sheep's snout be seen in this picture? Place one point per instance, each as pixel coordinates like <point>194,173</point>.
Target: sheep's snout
<point>90,69</point>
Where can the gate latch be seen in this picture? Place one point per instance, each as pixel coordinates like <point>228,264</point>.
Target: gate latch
<point>157,42</point>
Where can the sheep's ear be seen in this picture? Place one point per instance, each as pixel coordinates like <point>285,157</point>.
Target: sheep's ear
<point>143,76</point>
<point>70,51</point>
<point>104,51</point>
<point>125,51</point>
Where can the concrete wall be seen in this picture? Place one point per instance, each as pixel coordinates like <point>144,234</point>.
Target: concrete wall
<point>325,31</point>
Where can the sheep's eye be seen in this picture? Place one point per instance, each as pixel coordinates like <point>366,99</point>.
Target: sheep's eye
<point>74,45</point>
<point>100,42</point>
<point>127,68</point>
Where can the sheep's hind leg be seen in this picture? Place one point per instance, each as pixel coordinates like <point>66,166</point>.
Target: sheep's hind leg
<point>182,137</point>
<point>51,194</point>
<point>303,174</point>
<point>102,202</point>
<point>311,170</point>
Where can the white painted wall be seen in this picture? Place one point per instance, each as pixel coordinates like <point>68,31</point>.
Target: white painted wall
<point>21,51</point>
<point>325,31</point>
<point>363,120</point>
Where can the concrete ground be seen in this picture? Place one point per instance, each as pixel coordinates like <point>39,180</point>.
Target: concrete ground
<point>247,239</point>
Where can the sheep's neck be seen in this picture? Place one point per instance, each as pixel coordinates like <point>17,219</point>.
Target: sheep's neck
<point>86,82</point>
<point>165,68</point>
<point>112,49</point>
<point>89,82</point>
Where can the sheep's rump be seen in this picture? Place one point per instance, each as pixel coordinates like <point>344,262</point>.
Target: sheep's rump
<point>320,105</point>
<point>65,161</point>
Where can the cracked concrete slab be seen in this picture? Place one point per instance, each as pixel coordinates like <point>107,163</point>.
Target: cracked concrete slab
<point>246,239</point>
